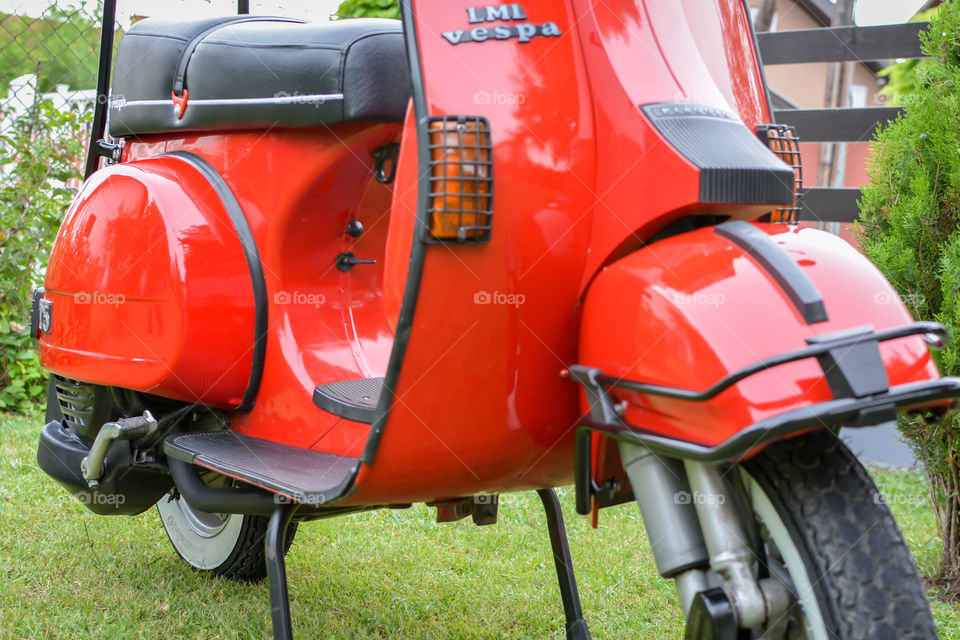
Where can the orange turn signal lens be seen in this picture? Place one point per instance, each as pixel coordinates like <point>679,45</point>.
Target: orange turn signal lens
<point>783,141</point>
<point>461,178</point>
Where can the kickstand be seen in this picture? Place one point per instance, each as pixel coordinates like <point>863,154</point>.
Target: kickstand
<point>576,625</point>
<point>274,544</point>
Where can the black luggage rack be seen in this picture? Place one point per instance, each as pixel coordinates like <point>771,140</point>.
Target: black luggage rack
<point>852,366</point>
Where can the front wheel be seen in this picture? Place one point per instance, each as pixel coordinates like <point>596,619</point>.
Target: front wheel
<point>826,534</point>
<point>225,545</point>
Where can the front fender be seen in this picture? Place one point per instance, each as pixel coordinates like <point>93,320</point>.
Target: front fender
<point>688,310</point>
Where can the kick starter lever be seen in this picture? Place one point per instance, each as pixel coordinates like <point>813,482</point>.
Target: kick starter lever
<point>124,429</point>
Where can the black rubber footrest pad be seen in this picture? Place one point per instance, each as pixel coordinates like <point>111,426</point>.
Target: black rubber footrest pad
<point>351,399</point>
<point>303,475</point>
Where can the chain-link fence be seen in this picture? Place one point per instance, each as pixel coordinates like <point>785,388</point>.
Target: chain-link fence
<point>48,62</point>
<point>49,58</point>
<point>49,50</point>
<point>48,67</point>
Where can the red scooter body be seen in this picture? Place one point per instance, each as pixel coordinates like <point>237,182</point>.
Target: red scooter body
<point>584,181</point>
<point>498,248</point>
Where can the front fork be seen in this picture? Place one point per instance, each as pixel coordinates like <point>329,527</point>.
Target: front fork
<point>698,535</point>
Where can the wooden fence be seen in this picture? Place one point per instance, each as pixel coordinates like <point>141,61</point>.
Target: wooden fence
<point>839,44</point>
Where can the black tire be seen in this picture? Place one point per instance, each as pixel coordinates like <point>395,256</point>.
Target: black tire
<point>225,546</point>
<point>248,562</point>
<point>864,580</point>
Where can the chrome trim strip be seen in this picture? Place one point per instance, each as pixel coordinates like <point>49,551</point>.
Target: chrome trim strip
<point>316,98</point>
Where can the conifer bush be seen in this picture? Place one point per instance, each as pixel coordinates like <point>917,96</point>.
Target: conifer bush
<point>909,214</point>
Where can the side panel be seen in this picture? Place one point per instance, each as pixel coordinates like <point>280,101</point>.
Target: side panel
<point>580,175</point>
<point>152,231</point>
<point>403,215</point>
<point>299,189</point>
<point>150,287</point>
<point>653,51</point>
<point>480,404</point>
<point>712,45</point>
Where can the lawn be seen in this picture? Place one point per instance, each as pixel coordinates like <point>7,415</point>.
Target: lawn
<point>67,573</point>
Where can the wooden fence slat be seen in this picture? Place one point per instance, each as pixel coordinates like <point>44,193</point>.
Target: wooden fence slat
<point>836,125</point>
<point>841,44</point>
<point>829,204</point>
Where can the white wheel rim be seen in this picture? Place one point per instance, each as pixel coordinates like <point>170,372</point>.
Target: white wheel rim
<point>204,540</point>
<point>806,597</point>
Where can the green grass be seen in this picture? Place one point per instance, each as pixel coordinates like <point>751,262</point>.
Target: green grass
<point>67,573</point>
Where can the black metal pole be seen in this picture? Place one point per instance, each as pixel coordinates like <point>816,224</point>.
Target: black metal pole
<point>243,6</point>
<point>576,625</point>
<point>103,85</point>
<point>581,466</point>
<point>273,544</point>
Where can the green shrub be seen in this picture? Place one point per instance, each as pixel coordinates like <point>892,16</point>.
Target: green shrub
<point>900,75</point>
<point>909,228</point>
<point>40,155</point>
<point>368,9</point>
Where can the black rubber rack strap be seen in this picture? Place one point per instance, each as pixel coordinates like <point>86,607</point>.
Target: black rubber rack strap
<point>180,78</point>
<point>774,260</point>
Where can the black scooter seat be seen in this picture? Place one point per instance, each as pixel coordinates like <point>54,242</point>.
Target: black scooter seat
<point>257,72</point>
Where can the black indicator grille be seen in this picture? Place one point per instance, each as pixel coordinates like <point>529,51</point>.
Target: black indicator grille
<point>461,179</point>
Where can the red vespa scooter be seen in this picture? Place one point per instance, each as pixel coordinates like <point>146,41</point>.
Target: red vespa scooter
<point>327,268</point>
